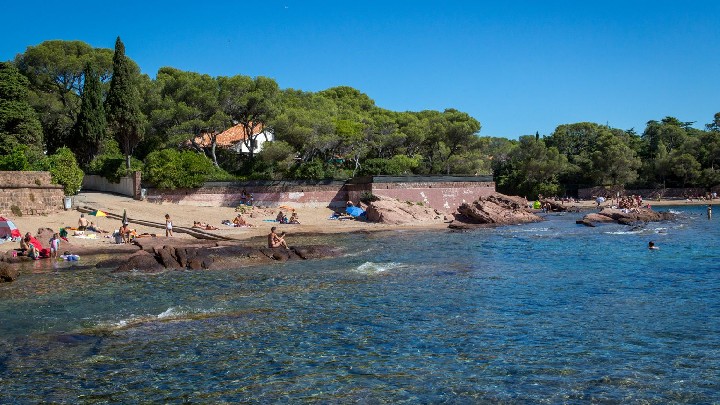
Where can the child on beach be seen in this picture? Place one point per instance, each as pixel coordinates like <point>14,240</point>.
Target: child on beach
<point>168,225</point>
<point>54,245</point>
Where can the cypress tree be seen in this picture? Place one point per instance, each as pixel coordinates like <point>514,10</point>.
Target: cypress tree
<point>90,126</point>
<point>122,105</point>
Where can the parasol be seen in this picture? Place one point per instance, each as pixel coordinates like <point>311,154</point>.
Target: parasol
<point>98,213</point>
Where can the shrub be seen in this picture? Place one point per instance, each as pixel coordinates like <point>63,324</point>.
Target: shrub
<point>16,210</point>
<point>313,170</point>
<point>110,163</point>
<point>65,171</point>
<point>171,169</point>
<point>16,160</point>
<point>367,197</point>
<point>397,165</point>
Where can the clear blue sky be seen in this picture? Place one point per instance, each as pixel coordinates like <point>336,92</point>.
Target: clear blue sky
<point>516,66</point>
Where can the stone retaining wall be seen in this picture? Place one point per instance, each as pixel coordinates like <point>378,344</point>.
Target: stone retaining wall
<point>31,193</point>
<point>442,195</point>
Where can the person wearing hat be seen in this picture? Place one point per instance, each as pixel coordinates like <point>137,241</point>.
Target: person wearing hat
<point>125,232</point>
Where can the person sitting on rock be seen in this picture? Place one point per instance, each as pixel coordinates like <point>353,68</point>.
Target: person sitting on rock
<point>275,240</point>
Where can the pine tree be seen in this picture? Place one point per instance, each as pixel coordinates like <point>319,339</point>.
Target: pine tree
<point>90,126</point>
<point>122,105</point>
<point>19,124</point>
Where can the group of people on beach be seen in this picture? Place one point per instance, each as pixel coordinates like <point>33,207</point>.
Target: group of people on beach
<point>32,248</point>
<point>283,219</point>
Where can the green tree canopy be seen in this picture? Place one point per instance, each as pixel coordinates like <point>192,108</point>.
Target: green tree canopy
<point>19,125</point>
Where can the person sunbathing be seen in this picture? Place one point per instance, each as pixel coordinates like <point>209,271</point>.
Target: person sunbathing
<point>203,225</point>
<point>93,228</point>
<point>240,221</point>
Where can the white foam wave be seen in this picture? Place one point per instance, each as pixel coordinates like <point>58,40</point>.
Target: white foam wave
<point>632,232</point>
<point>373,268</point>
<point>169,314</point>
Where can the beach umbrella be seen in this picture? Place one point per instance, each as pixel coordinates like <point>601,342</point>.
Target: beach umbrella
<point>600,200</point>
<point>124,220</point>
<point>8,228</point>
<point>98,213</point>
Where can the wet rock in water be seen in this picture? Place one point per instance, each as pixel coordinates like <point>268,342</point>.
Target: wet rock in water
<point>8,273</point>
<point>495,209</point>
<point>628,217</point>
<point>167,258</point>
<point>218,257</point>
<point>142,261</point>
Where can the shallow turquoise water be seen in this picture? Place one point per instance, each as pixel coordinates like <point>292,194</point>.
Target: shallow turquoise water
<point>549,312</point>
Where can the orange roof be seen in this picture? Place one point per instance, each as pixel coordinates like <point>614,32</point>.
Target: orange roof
<point>229,137</point>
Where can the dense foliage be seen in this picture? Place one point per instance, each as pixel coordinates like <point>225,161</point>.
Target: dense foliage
<point>65,171</point>
<point>173,123</point>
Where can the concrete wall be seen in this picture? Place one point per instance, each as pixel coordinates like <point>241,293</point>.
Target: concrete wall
<point>31,192</point>
<point>443,195</point>
<point>270,194</point>
<point>93,182</point>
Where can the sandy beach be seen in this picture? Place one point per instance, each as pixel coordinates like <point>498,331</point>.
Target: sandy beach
<point>313,220</point>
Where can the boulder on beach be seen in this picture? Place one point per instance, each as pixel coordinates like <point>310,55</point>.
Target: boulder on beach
<point>395,212</point>
<point>495,209</point>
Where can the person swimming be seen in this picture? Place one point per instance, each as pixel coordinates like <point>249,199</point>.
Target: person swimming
<point>652,246</point>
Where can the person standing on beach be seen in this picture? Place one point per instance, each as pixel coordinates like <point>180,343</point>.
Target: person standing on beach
<point>168,225</point>
<point>54,246</point>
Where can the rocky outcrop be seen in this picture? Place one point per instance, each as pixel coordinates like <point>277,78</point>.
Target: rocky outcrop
<point>556,206</point>
<point>626,217</point>
<point>495,209</point>
<point>216,256</point>
<point>390,211</point>
<point>8,273</point>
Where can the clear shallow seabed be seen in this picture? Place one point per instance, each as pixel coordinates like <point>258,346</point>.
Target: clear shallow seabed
<point>548,312</point>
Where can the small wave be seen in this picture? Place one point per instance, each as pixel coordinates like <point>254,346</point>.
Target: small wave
<point>372,268</point>
<point>170,314</point>
<point>630,232</point>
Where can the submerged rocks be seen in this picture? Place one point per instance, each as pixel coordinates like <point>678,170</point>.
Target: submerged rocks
<point>217,256</point>
<point>495,209</point>
<point>395,212</point>
<point>626,216</point>
<point>8,273</point>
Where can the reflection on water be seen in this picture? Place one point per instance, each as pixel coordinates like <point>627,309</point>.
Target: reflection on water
<point>549,312</point>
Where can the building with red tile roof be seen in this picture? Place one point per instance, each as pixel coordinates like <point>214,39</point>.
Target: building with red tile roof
<point>234,138</point>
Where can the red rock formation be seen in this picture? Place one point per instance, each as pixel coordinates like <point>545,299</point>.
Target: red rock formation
<point>390,211</point>
<point>496,209</point>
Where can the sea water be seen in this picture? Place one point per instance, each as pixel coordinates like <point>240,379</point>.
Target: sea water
<point>547,312</point>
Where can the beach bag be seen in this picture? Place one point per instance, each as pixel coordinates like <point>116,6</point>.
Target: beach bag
<point>44,252</point>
